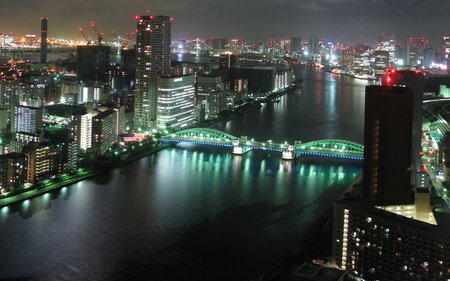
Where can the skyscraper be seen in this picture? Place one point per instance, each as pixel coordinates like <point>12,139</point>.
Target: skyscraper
<point>387,143</point>
<point>153,39</point>
<point>44,22</point>
<point>393,235</point>
<point>392,131</point>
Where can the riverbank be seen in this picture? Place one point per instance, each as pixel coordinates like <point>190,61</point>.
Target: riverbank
<point>35,191</point>
<point>50,186</point>
<point>139,154</point>
<point>232,115</point>
<point>316,244</point>
<point>108,164</point>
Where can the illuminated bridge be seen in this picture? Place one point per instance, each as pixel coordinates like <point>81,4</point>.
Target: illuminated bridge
<point>326,148</point>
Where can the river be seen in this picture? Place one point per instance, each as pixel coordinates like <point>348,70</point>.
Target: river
<point>192,212</point>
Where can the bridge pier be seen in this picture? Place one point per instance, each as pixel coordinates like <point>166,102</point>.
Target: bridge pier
<point>288,154</point>
<point>239,149</point>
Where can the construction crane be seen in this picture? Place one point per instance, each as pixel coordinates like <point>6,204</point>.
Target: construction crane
<point>99,34</point>
<point>88,39</point>
<point>131,36</point>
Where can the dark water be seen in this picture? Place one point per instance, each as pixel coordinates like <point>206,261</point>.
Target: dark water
<point>190,212</point>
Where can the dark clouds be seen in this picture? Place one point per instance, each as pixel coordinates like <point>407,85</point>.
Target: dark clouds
<point>345,20</point>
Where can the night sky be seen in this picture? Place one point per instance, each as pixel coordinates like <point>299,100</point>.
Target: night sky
<point>338,20</point>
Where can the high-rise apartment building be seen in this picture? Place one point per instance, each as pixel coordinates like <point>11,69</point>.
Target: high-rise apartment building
<point>104,130</point>
<point>27,123</point>
<point>43,161</point>
<point>153,39</point>
<point>81,130</point>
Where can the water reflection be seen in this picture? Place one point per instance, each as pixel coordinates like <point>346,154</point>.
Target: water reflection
<point>189,210</point>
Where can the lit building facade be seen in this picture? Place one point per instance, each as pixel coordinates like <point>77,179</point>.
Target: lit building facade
<point>81,130</point>
<point>13,171</point>
<point>381,63</point>
<point>153,40</point>
<point>176,102</point>
<point>72,156</point>
<point>446,47</point>
<point>391,243</point>
<point>43,161</point>
<point>387,43</point>
<point>104,130</point>
<point>27,123</point>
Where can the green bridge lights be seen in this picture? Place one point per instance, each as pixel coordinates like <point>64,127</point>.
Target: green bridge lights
<point>325,147</point>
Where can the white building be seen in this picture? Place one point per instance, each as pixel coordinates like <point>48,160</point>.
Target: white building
<point>175,102</point>
<point>86,131</point>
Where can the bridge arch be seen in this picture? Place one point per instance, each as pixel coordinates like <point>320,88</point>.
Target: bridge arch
<point>332,144</point>
<point>203,134</point>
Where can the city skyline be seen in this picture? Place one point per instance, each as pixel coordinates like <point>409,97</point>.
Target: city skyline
<point>339,20</point>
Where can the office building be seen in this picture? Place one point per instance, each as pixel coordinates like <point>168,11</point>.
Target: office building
<point>414,80</point>
<point>388,143</point>
<point>206,85</point>
<point>387,43</point>
<point>153,39</point>
<point>44,25</point>
<point>392,136</point>
<point>176,102</point>
<point>382,62</point>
